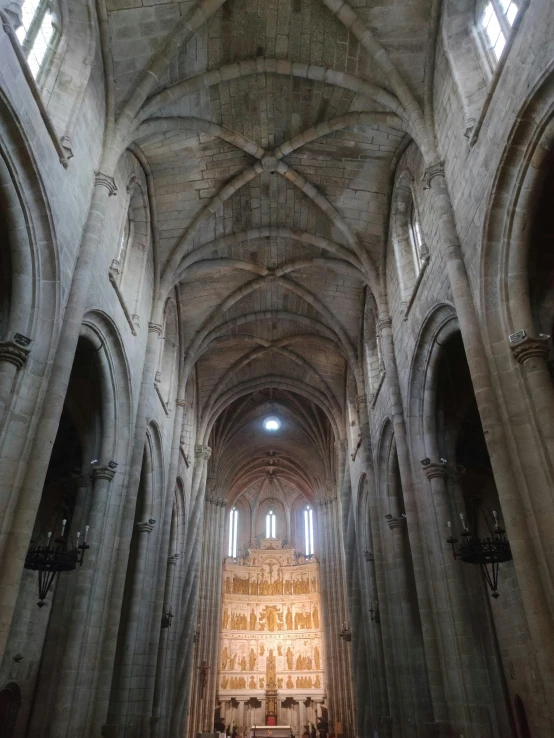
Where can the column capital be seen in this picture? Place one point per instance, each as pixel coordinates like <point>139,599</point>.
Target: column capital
<point>529,347</point>
<point>444,470</point>
<point>103,472</point>
<point>435,170</point>
<point>341,445</point>
<point>361,400</point>
<point>432,471</point>
<point>83,480</point>
<point>12,353</point>
<point>202,452</point>
<point>395,522</point>
<point>147,526</point>
<point>104,180</point>
<point>172,560</point>
<point>181,403</point>
<point>384,322</point>
<point>368,555</point>
<point>155,328</point>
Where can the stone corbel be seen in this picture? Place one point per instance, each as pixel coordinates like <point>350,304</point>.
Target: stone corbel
<point>530,348</point>
<point>12,353</point>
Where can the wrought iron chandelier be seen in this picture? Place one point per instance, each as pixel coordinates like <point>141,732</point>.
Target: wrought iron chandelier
<point>487,552</point>
<point>50,557</point>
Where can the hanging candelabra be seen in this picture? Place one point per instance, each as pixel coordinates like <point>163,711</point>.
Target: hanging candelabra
<point>487,552</point>
<point>50,556</point>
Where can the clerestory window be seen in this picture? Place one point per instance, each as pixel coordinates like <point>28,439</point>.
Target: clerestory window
<point>270,525</point>
<point>416,239</point>
<point>496,20</point>
<point>233,530</point>
<point>39,34</point>
<point>309,531</point>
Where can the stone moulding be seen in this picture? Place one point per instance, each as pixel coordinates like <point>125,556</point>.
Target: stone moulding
<point>530,348</point>
<point>11,353</point>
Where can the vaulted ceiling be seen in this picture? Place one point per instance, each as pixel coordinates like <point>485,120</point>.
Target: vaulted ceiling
<point>272,170</point>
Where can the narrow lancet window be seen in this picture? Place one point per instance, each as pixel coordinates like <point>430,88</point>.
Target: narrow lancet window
<point>233,529</point>
<point>309,531</point>
<point>270,526</point>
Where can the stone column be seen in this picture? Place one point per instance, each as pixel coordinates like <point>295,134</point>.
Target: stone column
<point>425,603</point>
<point>17,524</point>
<point>128,701</point>
<point>375,592</point>
<point>533,588</point>
<point>12,359</point>
<point>190,589</point>
<point>73,696</point>
<point>469,696</point>
<point>532,354</point>
<point>158,721</point>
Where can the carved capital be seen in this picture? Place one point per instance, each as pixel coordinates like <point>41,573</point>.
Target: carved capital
<point>83,480</point>
<point>341,446</point>
<point>368,555</point>
<point>155,328</point>
<point>202,452</point>
<point>11,353</point>
<point>433,471</point>
<point>385,322</point>
<point>435,170</point>
<point>147,526</point>
<point>172,560</point>
<point>530,348</point>
<point>361,400</point>
<point>103,472</point>
<point>181,403</point>
<point>395,522</point>
<point>104,180</point>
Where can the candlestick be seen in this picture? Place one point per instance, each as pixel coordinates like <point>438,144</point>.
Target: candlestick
<point>64,522</point>
<point>86,532</point>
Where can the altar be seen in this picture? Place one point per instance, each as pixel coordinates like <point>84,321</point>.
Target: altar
<point>270,731</point>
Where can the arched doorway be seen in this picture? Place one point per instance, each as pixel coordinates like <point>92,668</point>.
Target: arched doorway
<point>521,715</point>
<point>10,700</point>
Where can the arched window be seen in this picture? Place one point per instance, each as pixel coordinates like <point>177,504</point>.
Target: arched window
<point>270,527</point>
<point>233,530</point>
<point>39,33</point>
<point>495,21</point>
<point>309,531</point>
<point>416,239</point>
